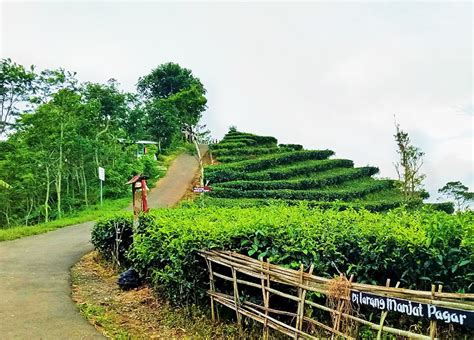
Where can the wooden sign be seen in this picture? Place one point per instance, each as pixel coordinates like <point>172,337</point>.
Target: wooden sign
<point>202,188</point>
<point>413,308</point>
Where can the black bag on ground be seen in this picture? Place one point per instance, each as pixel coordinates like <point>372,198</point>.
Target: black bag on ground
<point>129,279</point>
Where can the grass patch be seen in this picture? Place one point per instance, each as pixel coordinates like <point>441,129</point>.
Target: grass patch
<point>91,213</point>
<point>103,320</point>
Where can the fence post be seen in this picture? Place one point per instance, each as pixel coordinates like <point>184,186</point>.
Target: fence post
<point>300,294</point>
<point>265,302</point>
<point>212,287</point>
<point>301,303</point>
<point>384,313</point>
<point>236,297</point>
<point>433,323</point>
<point>265,322</point>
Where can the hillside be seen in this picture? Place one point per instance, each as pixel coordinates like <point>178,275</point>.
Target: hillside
<point>255,170</point>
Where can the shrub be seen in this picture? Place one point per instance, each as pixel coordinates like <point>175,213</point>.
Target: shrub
<point>417,248</point>
<point>332,177</point>
<point>112,237</point>
<point>299,169</point>
<point>260,140</point>
<point>220,146</point>
<point>222,173</point>
<point>296,147</point>
<point>352,191</point>
<point>246,151</point>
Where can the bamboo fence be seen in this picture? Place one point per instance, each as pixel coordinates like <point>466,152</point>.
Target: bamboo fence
<point>263,276</point>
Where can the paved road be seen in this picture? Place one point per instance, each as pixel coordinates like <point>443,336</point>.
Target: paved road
<point>35,286</point>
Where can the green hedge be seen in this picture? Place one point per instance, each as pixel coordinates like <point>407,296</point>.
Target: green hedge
<point>233,145</point>
<point>296,147</point>
<point>258,139</point>
<point>373,206</point>
<point>222,173</point>
<point>417,248</point>
<point>332,177</point>
<point>246,151</point>
<point>352,191</point>
<point>447,207</point>
<point>304,168</point>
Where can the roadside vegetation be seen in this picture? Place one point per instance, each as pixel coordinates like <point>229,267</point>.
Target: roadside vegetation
<point>56,132</point>
<point>137,313</point>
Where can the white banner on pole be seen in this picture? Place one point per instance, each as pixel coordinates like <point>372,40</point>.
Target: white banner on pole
<point>101,174</point>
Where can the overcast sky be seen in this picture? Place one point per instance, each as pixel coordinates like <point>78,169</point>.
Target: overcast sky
<point>322,74</point>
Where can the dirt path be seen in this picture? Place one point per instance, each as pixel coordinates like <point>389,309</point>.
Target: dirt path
<point>35,288</point>
<point>172,188</point>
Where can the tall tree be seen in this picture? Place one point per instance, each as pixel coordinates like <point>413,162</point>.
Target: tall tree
<point>166,80</point>
<point>180,88</point>
<point>459,193</point>
<point>16,87</point>
<point>409,165</point>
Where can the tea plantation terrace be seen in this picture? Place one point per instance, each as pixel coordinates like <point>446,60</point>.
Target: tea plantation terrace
<point>255,170</point>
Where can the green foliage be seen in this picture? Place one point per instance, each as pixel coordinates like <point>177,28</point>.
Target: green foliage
<point>296,147</point>
<point>222,173</point>
<point>94,212</point>
<point>16,86</point>
<point>447,207</point>
<point>166,80</point>
<point>113,236</point>
<point>409,165</point>
<point>180,93</point>
<point>459,193</point>
<point>252,171</point>
<point>417,248</point>
<point>353,190</point>
<point>67,130</point>
<point>328,178</point>
<point>246,151</point>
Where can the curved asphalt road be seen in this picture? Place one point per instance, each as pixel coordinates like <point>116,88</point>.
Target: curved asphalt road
<point>35,286</point>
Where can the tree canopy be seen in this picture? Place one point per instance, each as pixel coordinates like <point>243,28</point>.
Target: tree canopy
<point>173,90</point>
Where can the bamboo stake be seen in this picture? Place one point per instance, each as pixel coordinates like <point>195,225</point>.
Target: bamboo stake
<point>236,298</point>
<point>212,287</point>
<point>265,303</point>
<point>326,327</point>
<point>300,318</point>
<point>268,299</point>
<point>433,323</point>
<point>384,313</point>
<point>228,278</point>
<point>300,305</point>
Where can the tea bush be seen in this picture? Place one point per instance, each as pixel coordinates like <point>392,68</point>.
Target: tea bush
<point>296,147</point>
<point>247,151</point>
<point>224,172</point>
<point>316,181</point>
<point>354,190</point>
<point>415,247</point>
